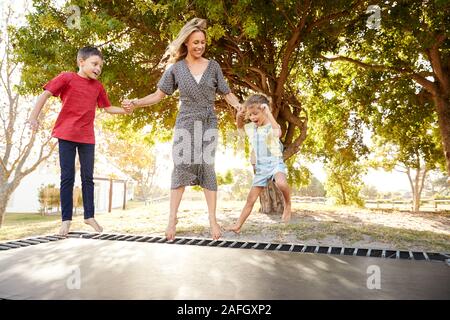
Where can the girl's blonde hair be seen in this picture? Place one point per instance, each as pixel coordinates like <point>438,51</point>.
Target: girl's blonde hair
<point>256,101</point>
<point>177,50</point>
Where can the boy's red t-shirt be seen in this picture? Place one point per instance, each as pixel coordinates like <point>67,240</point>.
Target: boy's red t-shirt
<point>80,97</point>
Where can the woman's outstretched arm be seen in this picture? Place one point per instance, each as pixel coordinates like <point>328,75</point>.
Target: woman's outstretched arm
<point>146,101</point>
<point>233,101</point>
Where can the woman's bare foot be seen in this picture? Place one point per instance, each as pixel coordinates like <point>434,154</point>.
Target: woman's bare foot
<point>286,217</point>
<point>171,230</point>
<point>216,233</point>
<point>65,227</point>
<point>235,228</point>
<point>93,223</point>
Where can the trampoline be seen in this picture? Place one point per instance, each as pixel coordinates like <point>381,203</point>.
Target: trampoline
<point>116,266</point>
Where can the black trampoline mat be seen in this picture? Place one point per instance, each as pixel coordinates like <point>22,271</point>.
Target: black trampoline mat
<point>139,270</point>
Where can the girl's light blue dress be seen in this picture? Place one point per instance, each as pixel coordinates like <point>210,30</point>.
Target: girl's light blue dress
<point>268,151</point>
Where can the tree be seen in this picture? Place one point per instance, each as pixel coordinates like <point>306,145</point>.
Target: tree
<point>369,192</point>
<point>241,184</point>
<point>226,178</point>
<point>314,189</point>
<point>344,181</point>
<point>132,152</point>
<point>405,131</point>
<point>336,134</point>
<point>413,160</point>
<point>438,184</point>
<point>259,51</point>
<point>21,151</point>
<point>411,43</point>
<point>48,197</point>
<point>381,99</point>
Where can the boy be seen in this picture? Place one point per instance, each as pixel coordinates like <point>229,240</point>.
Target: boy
<point>80,93</point>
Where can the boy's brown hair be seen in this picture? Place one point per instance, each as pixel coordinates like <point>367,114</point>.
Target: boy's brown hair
<point>86,52</point>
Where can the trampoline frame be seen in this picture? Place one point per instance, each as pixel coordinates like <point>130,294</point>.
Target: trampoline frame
<point>289,247</point>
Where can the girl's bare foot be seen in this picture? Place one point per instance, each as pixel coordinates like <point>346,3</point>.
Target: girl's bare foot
<point>65,227</point>
<point>216,233</point>
<point>235,228</point>
<point>93,223</point>
<point>286,217</point>
<point>171,230</point>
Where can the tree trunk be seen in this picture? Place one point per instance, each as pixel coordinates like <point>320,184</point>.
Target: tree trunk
<point>416,201</point>
<point>343,197</point>
<point>271,200</point>
<point>2,210</point>
<point>443,111</point>
<point>4,198</point>
<point>417,187</point>
<point>413,189</point>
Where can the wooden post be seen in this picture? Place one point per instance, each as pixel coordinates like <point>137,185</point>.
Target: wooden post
<point>110,194</point>
<point>124,195</point>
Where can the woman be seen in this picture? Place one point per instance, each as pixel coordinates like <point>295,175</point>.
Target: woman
<point>198,80</point>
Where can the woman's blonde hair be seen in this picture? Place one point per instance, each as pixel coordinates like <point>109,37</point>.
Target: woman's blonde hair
<point>177,50</point>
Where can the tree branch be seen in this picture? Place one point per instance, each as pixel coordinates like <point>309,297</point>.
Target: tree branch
<point>120,35</point>
<point>436,63</point>
<point>295,146</point>
<point>264,77</point>
<point>21,174</point>
<point>430,86</point>
<point>290,47</point>
<point>289,116</point>
<point>278,5</point>
<point>333,16</point>
<point>422,182</point>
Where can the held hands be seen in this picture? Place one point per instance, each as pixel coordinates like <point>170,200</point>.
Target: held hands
<point>129,105</point>
<point>240,112</point>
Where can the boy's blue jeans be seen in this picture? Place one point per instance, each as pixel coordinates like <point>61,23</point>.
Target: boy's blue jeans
<point>67,153</point>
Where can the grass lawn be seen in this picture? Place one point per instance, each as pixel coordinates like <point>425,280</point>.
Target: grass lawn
<point>312,224</point>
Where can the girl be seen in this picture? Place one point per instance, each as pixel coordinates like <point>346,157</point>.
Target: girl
<point>263,132</point>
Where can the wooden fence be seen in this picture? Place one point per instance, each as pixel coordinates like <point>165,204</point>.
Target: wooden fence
<point>407,204</point>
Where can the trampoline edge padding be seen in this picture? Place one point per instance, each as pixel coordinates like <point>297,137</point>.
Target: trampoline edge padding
<point>269,246</point>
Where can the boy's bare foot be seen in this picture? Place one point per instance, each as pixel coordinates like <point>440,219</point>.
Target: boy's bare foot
<point>286,217</point>
<point>235,228</point>
<point>93,223</point>
<point>171,230</point>
<point>65,227</point>
<point>216,233</point>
